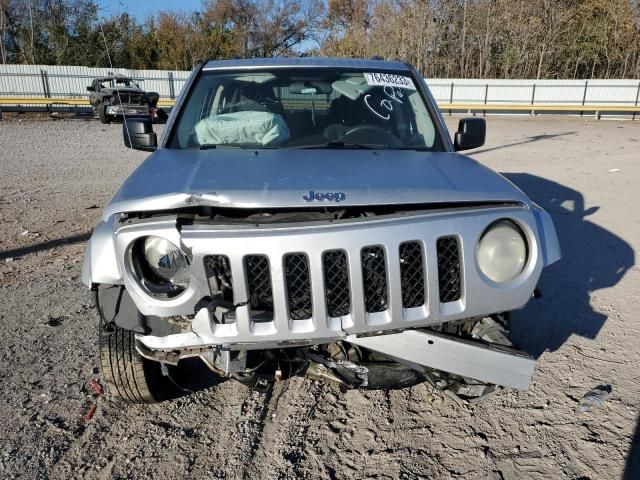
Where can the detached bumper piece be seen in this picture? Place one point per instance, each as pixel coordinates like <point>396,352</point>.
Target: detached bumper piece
<point>488,363</point>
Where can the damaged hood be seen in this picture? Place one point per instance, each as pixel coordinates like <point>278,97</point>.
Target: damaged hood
<point>114,91</point>
<point>292,178</point>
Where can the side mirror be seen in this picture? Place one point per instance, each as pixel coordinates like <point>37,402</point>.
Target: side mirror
<point>138,134</point>
<point>471,134</point>
<point>89,89</point>
<point>153,99</point>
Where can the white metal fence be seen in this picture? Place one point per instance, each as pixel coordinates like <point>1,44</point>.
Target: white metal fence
<point>71,81</point>
<point>536,92</point>
<point>56,81</point>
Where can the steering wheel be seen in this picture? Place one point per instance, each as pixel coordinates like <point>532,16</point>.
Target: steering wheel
<point>387,138</point>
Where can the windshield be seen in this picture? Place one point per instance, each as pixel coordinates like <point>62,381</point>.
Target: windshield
<point>305,108</point>
<point>119,82</point>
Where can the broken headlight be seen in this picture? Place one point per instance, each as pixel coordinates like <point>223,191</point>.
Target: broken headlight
<point>161,267</point>
<point>502,251</point>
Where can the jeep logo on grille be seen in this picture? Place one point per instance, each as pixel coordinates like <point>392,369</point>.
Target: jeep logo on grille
<point>324,196</point>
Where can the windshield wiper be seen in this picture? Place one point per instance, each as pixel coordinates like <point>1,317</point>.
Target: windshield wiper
<point>210,146</point>
<point>417,149</point>
<point>341,144</point>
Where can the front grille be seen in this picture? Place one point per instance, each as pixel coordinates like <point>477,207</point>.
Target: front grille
<point>337,287</point>
<point>448,269</point>
<point>259,282</point>
<point>412,275</point>
<point>131,99</point>
<point>298,279</point>
<point>336,280</point>
<point>374,279</point>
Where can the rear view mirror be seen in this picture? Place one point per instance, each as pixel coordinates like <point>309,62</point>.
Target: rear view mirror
<point>471,134</point>
<point>310,88</point>
<point>138,134</point>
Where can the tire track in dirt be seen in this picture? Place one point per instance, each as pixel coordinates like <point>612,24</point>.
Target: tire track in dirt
<point>242,442</point>
<point>281,451</point>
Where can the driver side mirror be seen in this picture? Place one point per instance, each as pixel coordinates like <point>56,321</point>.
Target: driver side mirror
<point>138,134</point>
<point>89,88</point>
<point>471,134</point>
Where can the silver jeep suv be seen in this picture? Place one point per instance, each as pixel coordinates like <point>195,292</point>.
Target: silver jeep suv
<point>311,216</point>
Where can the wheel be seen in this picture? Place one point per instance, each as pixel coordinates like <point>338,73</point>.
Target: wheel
<point>127,375</point>
<point>102,114</point>
<point>372,134</point>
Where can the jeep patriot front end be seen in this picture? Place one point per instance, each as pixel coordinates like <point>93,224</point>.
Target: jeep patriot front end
<point>313,213</point>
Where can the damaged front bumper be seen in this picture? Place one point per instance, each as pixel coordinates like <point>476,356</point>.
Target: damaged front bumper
<point>481,361</point>
<point>128,110</point>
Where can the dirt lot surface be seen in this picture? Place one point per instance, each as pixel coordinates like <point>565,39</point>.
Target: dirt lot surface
<point>55,176</point>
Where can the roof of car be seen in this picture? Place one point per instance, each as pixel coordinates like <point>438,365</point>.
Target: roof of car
<point>115,76</point>
<point>305,62</point>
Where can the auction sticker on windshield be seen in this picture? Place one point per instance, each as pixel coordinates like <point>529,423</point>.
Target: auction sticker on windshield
<point>389,80</point>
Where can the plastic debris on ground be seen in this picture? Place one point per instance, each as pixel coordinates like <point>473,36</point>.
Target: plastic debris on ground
<point>95,386</point>
<point>91,412</point>
<point>595,397</point>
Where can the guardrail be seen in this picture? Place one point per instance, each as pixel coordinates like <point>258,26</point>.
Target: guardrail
<point>60,87</point>
<point>471,108</point>
<point>84,102</point>
<point>533,109</point>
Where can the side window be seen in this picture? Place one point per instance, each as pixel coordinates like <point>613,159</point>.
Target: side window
<point>423,119</point>
<point>213,102</point>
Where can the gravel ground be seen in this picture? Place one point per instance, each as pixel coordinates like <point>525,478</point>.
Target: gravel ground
<point>56,175</point>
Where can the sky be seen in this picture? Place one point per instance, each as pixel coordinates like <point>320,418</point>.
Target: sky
<point>141,9</point>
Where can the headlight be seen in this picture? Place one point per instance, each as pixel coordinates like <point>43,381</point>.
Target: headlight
<point>166,260</point>
<point>161,268</point>
<point>502,251</point>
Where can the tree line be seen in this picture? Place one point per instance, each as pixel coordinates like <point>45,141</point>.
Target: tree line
<point>442,38</point>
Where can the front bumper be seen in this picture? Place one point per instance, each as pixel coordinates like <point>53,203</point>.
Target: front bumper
<point>128,110</point>
<point>478,295</point>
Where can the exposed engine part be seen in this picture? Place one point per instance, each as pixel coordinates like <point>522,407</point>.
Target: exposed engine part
<point>244,216</point>
<point>219,308</point>
<point>225,361</point>
<point>317,371</point>
<point>219,275</point>
<point>352,373</point>
<point>469,362</point>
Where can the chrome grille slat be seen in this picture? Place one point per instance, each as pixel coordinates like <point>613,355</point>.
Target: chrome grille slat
<point>240,292</point>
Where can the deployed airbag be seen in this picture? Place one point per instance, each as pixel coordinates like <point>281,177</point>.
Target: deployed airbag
<point>264,128</point>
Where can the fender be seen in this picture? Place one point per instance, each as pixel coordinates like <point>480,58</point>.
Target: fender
<point>550,246</point>
<point>100,264</point>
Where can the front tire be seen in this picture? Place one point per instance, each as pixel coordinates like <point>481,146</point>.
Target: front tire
<point>102,114</point>
<point>128,376</point>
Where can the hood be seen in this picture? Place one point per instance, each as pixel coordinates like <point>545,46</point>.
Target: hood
<point>272,178</point>
<point>123,90</point>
